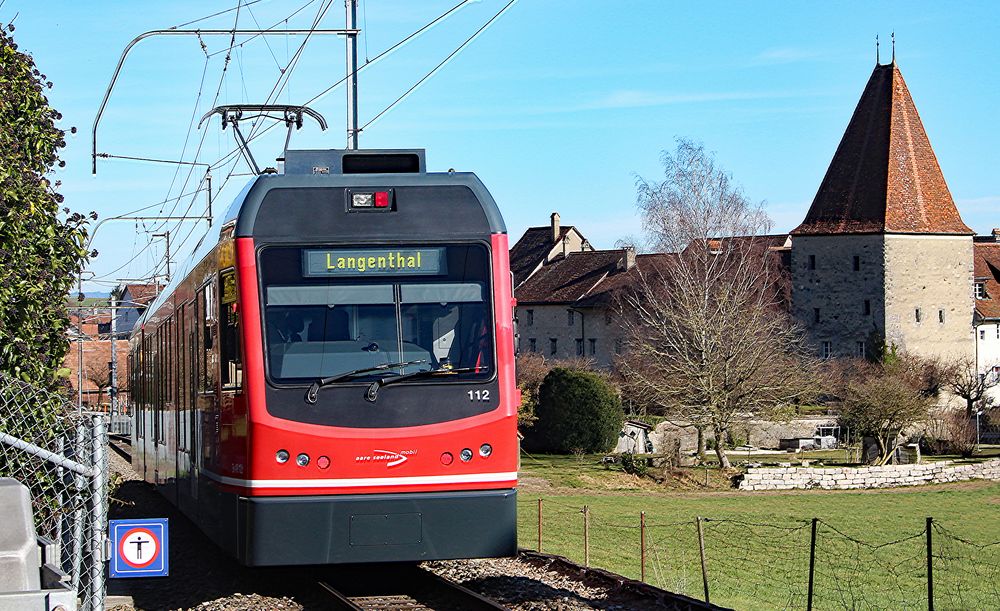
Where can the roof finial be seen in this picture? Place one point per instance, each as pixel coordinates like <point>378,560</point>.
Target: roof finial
<point>877,62</point>
<point>894,47</point>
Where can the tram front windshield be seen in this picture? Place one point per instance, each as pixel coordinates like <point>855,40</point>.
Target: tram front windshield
<point>334,310</point>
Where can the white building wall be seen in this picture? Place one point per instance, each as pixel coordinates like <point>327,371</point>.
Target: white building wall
<point>988,353</point>
<point>601,336</point>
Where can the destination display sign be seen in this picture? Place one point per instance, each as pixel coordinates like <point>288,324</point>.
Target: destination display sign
<point>374,262</point>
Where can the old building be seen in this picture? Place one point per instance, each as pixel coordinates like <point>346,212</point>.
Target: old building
<point>987,316</point>
<point>131,303</point>
<point>883,254</point>
<point>566,304</point>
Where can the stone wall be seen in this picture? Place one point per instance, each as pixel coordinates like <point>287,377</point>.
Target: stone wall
<point>548,322</point>
<point>838,291</point>
<point>848,478</point>
<point>932,274</point>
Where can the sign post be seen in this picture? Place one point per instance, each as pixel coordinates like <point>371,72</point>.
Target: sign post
<point>140,548</point>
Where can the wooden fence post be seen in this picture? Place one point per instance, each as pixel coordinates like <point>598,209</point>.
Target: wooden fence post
<point>642,544</point>
<point>539,525</point>
<point>930,566</point>
<point>704,564</point>
<point>812,565</point>
<point>586,536</point>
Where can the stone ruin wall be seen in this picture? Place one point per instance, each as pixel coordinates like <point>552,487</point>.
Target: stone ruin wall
<point>849,478</point>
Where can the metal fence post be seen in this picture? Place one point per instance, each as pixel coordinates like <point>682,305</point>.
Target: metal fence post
<point>704,564</point>
<point>98,513</point>
<point>78,512</point>
<point>930,566</point>
<point>586,536</point>
<point>812,565</point>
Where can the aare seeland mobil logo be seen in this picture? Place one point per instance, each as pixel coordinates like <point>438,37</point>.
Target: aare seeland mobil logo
<point>387,457</point>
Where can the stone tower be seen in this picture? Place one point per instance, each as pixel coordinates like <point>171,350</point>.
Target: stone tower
<point>883,253</point>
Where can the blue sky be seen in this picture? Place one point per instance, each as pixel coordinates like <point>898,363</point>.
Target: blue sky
<point>559,105</point>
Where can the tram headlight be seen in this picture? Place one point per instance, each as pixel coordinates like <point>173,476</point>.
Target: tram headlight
<point>281,456</point>
<point>485,450</point>
<point>466,455</point>
<point>302,460</point>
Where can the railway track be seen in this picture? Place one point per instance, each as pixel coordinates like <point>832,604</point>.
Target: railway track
<point>406,588</point>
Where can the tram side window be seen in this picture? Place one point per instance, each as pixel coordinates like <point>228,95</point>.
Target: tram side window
<point>207,356</point>
<point>229,337</point>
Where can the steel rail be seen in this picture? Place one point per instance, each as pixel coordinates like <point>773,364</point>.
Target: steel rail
<point>411,588</point>
<point>196,32</point>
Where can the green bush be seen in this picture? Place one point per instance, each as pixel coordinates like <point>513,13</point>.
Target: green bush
<point>635,465</point>
<point>577,411</point>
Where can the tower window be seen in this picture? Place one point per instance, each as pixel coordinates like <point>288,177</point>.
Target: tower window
<point>857,263</point>
<point>868,307</point>
<point>815,315</point>
<point>941,316</point>
<point>827,350</point>
<point>916,314</point>
<point>812,261</point>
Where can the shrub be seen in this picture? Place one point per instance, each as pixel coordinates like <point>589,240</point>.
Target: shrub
<point>634,465</point>
<point>577,410</point>
<point>952,433</point>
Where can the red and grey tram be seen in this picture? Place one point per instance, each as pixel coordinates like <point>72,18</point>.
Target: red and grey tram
<point>330,377</point>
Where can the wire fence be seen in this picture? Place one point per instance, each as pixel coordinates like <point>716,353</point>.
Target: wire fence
<point>807,564</point>
<point>61,456</point>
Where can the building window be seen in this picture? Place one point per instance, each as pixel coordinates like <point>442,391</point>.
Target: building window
<point>531,317</point>
<point>860,349</point>
<point>868,307</point>
<point>593,346</point>
<point>812,261</point>
<point>532,345</point>
<point>607,317</point>
<point>980,290</point>
<point>815,315</point>
<point>618,346</point>
<point>941,316</point>
<point>857,263</point>
<point>579,347</point>
<point>998,330</point>
<point>553,345</point>
<point>916,314</point>
<point>569,317</point>
<point>982,334</point>
<point>827,350</point>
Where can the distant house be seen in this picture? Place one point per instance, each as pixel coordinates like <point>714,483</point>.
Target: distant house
<point>541,245</point>
<point>986,250</point>
<point>132,302</point>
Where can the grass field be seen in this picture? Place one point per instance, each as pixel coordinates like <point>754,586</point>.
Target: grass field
<point>871,545</point>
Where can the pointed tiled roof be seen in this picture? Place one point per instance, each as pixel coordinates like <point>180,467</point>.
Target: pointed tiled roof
<point>986,257</point>
<point>884,177</point>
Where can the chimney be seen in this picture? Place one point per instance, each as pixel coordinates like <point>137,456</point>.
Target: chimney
<point>555,227</point>
<point>628,260</point>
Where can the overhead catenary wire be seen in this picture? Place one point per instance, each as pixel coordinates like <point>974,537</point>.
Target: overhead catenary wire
<point>440,65</point>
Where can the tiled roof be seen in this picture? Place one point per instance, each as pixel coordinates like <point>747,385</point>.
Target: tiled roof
<point>142,293</point>
<point>570,278</point>
<point>987,270</point>
<point>619,279</point>
<point>530,251</point>
<point>884,177</point>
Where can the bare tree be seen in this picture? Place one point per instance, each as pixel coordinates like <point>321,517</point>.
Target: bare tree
<point>706,337</point>
<point>966,382</point>
<point>98,374</point>
<point>883,401</point>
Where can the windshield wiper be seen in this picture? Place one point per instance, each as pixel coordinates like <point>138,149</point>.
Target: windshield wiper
<point>372,393</point>
<point>313,393</point>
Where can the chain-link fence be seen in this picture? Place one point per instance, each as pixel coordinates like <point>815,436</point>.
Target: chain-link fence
<point>61,456</point>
